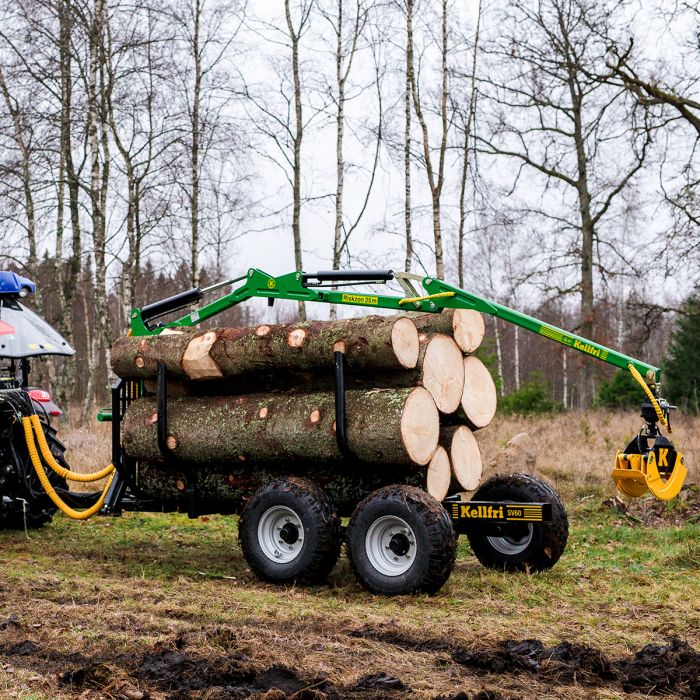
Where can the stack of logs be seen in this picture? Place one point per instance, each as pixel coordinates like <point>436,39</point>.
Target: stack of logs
<point>248,404</point>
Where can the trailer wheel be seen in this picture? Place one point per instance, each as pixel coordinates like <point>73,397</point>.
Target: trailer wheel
<point>401,540</point>
<point>289,531</point>
<point>534,546</point>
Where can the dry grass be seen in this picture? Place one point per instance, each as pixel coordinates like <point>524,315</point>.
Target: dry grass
<point>118,591</point>
<point>576,450</point>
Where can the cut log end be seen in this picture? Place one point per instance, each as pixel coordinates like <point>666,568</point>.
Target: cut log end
<point>420,426</point>
<point>479,397</point>
<point>404,340</point>
<point>171,442</point>
<point>439,474</point>
<point>262,331</point>
<point>443,372</point>
<point>468,329</point>
<point>296,338</point>
<point>197,363</point>
<point>465,456</point>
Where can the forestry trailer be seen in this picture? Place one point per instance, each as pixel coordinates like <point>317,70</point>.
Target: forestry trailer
<point>293,428</point>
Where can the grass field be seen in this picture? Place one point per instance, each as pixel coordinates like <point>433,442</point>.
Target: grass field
<point>159,606</point>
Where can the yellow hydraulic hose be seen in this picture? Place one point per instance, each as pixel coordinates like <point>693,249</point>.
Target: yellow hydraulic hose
<point>49,458</point>
<point>46,484</point>
<point>650,394</point>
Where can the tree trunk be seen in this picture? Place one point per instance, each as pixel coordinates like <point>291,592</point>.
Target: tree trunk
<point>194,194</point>
<point>465,154</point>
<point>465,325</point>
<point>478,404</point>
<point>297,138</point>
<point>464,454</point>
<point>439,481</point>
<point>339,160</point>
<point>374,342</point>
<point>440,371</point>
<point>231,484</point>
<point>407,136</point>
<point>383,427</point>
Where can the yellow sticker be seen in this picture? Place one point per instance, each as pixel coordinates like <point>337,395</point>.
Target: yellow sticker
<point>360,299</point>
<point>271,284</point>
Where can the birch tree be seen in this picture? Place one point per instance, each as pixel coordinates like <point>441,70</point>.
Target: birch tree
<point>435,173</point>
<point>581,138</point>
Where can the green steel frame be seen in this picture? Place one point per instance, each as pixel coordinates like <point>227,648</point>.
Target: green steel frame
<point>437,295</point>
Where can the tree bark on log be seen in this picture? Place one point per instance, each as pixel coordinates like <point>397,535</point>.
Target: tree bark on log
<point>386,426</point>
<point>464,455</point>
<point>376,342</point>
<point>466,326</point>
<point>224,488</point>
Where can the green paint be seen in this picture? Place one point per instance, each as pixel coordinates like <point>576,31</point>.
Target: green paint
<point>260,284</point>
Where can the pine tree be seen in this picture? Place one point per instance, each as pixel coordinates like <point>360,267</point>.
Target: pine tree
<point>682,366</point>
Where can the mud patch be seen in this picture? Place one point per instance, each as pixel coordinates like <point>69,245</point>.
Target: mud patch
<point>170,670</point>
<point>380,681</point>
<point>564,663</point>
<point>655,670</point>
<point>184,676</point>
<point>651,511</point>
<point>658,669</point>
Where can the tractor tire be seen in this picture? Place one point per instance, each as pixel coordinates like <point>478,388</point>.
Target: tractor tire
<point>289,532</point>
<point>400,541</point>
<point>34,510</point>
<point>537,546</point>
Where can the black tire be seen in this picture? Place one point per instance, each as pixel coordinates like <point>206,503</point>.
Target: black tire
<point>400,540</point>
<point>309,527</point>
<point>539,545</point>
<point>34,510</point>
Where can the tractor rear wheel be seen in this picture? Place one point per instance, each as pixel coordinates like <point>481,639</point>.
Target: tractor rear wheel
<point>32,508</point>
<point>289,531</point>
<point>400,540</point>
<point>531,547</point>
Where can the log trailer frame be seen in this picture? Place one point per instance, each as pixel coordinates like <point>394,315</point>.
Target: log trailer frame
<point>399,539</point>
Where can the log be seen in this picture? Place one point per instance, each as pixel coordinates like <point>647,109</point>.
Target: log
<point>465,325</point>
<point>376,342</point>
<point>479,398</point>
<point>441,371</point>
<point>389,426</point>
<point>224,489</point>
<point>464,455</point>
<point>439,477</point>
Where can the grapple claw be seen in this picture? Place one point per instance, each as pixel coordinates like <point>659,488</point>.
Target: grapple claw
<point>660,471</point>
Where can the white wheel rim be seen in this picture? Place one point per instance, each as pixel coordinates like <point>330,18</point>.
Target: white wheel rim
<point>512,546</point>
<point>281,534</point>
<point>390,545</point>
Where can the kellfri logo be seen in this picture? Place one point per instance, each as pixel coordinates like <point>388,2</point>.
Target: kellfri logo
<point>587,348</point>
<point>482,512</point>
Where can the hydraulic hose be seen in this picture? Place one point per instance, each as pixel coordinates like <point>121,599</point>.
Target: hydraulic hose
<point>49,458</point>
<point>46,484</point>
<point>650,394</point>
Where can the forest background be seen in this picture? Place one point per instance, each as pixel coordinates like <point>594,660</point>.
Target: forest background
<point>543,154</point>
